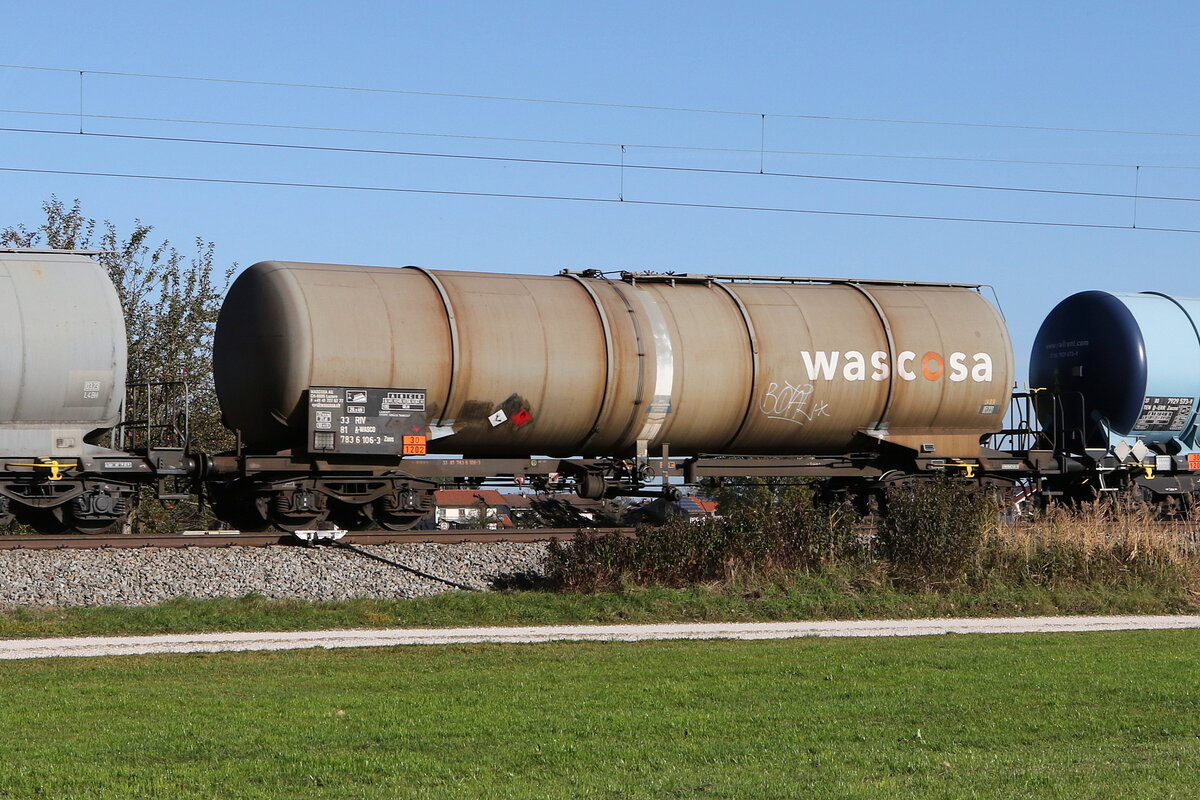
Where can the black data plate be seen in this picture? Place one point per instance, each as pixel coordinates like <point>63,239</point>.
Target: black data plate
<point>366,420</point>
<point>1164,414</point>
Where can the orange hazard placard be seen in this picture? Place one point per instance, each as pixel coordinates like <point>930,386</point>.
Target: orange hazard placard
<point>414,445</point>
<point>1194,461</point>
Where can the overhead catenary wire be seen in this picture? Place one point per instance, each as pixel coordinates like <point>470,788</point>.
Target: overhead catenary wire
<point>596,104</point>
<point>622,165</point>
<point>624,162</point>
<point>592,143</point>
<point>586,199</point>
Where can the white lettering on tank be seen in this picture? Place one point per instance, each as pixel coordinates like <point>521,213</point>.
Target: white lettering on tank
<point>852,366</point>
<point>822,366</point>
<point>879,362</point>
<point>856,366</point>
<point>982,371</point>
<point>958,369</point>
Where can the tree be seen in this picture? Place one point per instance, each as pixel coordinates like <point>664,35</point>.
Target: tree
<point>171,302</point>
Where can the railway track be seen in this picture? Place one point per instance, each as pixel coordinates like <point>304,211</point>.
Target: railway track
<point>240,539</point>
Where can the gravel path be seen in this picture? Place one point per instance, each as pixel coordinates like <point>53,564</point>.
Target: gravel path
<point>147,576</point>
<point>223,642</point>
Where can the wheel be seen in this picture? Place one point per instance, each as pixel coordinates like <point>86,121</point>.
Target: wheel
<point>400,522</point>
<point>94,526</point>
<point>404,510</point>
<point>44,520</point>
<point>299,522</point>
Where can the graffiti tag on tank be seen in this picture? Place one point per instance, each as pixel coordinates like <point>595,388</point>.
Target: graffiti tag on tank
<point>791,402</point>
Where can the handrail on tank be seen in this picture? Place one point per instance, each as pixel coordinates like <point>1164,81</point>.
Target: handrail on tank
<point>695,277</point>
<point>1019,433</point>
<point>1054,436</point>
<point>54,251</point>
<point>1064,438</point>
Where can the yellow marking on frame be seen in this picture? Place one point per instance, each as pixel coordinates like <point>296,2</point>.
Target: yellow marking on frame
<point>54,466</point>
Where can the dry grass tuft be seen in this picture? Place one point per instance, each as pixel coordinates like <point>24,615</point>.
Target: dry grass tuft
<point>1106,542</point>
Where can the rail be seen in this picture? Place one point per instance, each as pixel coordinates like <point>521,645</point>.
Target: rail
<point>239,539</point>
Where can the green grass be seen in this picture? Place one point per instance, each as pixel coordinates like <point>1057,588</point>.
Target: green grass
<point>1113,715</point>
<point>805,596</point>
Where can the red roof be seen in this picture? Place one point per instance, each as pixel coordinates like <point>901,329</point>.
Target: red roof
<point>468,498</point>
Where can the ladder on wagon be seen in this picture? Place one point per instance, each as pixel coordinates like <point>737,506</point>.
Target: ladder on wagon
<point>156,420</point>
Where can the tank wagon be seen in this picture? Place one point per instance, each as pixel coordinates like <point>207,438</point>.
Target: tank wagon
<point>338,378</point>
<point>1119,376</point>
<point>62,385</point>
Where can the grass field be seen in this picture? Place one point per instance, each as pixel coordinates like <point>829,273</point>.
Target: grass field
<point>806,596</point>
<point>1112,715</point>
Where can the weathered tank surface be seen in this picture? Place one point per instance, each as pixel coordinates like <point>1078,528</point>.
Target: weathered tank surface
<point>62,367</point>
<point>581,364</point>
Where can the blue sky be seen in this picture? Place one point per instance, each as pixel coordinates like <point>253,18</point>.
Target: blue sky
<point>1094,65</point>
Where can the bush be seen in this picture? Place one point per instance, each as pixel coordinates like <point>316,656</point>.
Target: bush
<point>932,531</point>
<point>763,529</point>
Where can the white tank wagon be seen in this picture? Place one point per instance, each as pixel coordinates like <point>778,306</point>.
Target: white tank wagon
<point>62,383</point>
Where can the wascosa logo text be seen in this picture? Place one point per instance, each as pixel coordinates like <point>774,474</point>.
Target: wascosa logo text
<point>855,366</point>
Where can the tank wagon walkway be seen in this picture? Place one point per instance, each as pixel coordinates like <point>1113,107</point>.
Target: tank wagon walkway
<point>230,642</point>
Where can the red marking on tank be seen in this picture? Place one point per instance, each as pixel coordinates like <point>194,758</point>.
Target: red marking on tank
<point>521,417</point>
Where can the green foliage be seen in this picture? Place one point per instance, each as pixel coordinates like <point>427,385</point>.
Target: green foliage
<point>171,301</point>
<point>933,530</point>
<point>764,528</point>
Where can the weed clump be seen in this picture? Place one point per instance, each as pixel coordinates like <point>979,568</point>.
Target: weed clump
<point>764,529</point>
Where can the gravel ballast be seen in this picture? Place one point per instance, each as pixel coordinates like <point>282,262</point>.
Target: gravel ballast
<point>147,576</point>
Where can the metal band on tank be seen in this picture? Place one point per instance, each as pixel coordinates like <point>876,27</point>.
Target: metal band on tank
<point>664,368</point>
<point>1179,305</point>
<point>606,403</point>
<point>641,353</point>
<point>891,343</point>
<point>455,358</point>
<point>754,370</point>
